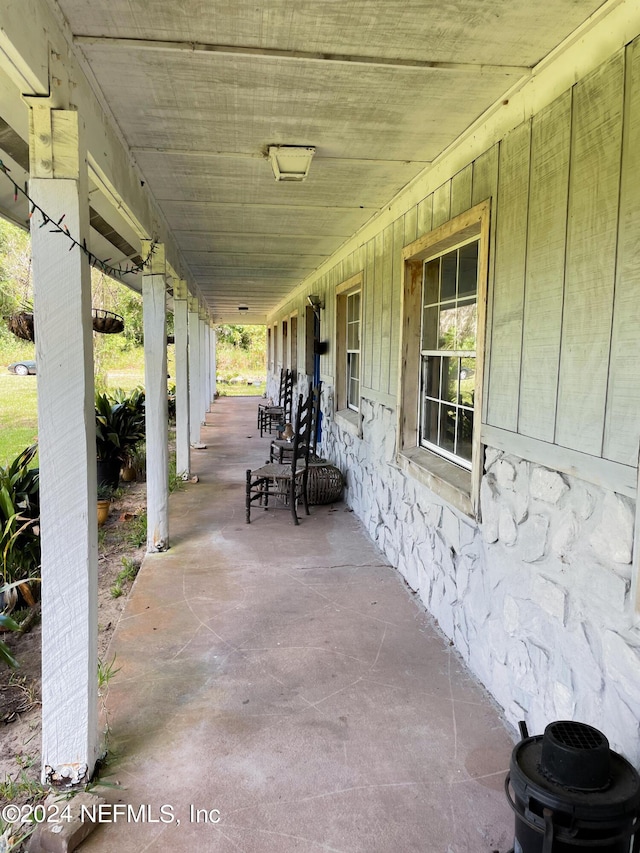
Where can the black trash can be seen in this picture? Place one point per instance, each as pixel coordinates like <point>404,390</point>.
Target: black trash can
<point>571,792</point>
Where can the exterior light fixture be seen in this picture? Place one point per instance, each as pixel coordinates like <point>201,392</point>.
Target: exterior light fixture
<point>290,162</point>
<point>316,302</point>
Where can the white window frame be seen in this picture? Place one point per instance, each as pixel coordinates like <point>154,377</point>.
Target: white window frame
<point>353,400</point>
<point>345,406</point>
<point>458,485</point>
<point>456,354</point>
<point>293,342</point>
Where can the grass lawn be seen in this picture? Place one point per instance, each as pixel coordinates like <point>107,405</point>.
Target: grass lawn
<point>19,408</point>
<point>18,414</point>
<point>18,405</point>
<point>125,378</point>
<point>240,389</point>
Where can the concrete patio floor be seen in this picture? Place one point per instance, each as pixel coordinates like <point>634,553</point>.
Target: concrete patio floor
<point>284,682</point>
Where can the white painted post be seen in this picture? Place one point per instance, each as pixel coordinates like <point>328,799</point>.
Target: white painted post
<point>214,363</point>
<point>156,410</point>
<point>207,345</point>
<point>180,320</point>
<point>195,394</point>
<point>67,448</point>
<point>204,403</point>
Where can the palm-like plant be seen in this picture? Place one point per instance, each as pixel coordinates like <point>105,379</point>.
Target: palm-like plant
<point>8,624</point>
<point>119,425</point>
<point>19,516</point>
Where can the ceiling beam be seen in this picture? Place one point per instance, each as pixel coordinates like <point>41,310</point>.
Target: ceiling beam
<point>246,155</point>
<point>225,252</point>
<point>298,55</point>
<point>270,235</point>
<point>264,205</point>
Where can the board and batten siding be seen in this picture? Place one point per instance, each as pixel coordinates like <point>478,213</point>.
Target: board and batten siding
<point>563,308</point>
<point>544,276</point>
<point>566,288</point>
<point>623,392</point>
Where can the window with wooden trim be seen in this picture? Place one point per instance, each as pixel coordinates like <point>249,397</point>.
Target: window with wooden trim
<point>353,350</point>
<point>285,344</point>
<point>443,312</point>
<point>348,343</point>
<point>448,352</point>
<point>277,363</point>
<point>293,325</point>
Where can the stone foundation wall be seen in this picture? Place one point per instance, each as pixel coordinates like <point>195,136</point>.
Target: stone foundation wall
<point>535,598</point>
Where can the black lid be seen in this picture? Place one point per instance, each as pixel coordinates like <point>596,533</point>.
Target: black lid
<point>539,766</point>
<point>575,755</point>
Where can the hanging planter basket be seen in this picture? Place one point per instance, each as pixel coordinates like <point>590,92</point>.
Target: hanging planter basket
<point>106,322</point>
<point>21,324</point>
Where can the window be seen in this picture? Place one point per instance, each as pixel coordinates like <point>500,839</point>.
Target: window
<point>353,351</point>
<point>348,346</point>
<point>277,364</point>
<point>293,361</point>
<point>443,314</point>
<point>285,344</point>
<point>448,352</point>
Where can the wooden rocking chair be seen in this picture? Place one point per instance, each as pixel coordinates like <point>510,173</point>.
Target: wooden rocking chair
<point>282,449</point>
<point>286,482</point>
<point>274,415</point>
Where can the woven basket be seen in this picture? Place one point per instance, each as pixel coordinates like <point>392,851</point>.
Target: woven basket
<point>325,484</point>
<point>21,324</point>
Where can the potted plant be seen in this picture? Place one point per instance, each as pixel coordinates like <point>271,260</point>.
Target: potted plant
<point>119,426</point>
<point>135,465</point>
<point>105,494</point>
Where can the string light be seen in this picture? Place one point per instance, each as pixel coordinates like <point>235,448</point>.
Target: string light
<point>60,228</point>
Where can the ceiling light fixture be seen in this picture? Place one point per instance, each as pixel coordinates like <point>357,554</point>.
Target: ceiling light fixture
<point>290,162</point>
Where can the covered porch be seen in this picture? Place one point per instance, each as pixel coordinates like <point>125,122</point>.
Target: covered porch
<point>282,689</point>
<point>458,264</point>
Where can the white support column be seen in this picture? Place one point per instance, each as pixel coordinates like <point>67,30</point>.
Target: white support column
<point>180,318</point>
<point>154,317</point>
<point>207,346</point>
<point>67,448</point>
<point>195,394</point>
<point>204,403</point>
<point>214,363</point>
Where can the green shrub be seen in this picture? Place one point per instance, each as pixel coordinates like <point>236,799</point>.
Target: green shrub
<point>19,515</point>
<point>119,423</point>
<point>8,624</point>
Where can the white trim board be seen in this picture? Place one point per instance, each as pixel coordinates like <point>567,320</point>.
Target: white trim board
<point>602,472</point>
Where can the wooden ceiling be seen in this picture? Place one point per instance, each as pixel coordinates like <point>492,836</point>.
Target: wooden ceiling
<point>200,90</point>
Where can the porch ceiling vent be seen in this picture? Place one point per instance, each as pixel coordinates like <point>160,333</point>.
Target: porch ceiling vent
<point>290,162</point>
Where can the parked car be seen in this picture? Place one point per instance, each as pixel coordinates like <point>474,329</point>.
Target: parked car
<point>22,368</point>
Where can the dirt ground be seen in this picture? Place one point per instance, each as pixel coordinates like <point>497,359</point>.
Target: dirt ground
<point>20,710</point>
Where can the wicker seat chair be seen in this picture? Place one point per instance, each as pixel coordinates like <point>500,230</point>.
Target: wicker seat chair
<point>272,415</point>
<point>285,483</point>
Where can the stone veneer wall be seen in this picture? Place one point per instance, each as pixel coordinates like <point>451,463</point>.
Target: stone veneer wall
<point>535,598</point>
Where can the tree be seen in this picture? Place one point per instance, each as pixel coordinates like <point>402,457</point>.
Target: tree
<point>15,268</point>
<point>236,336</point>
